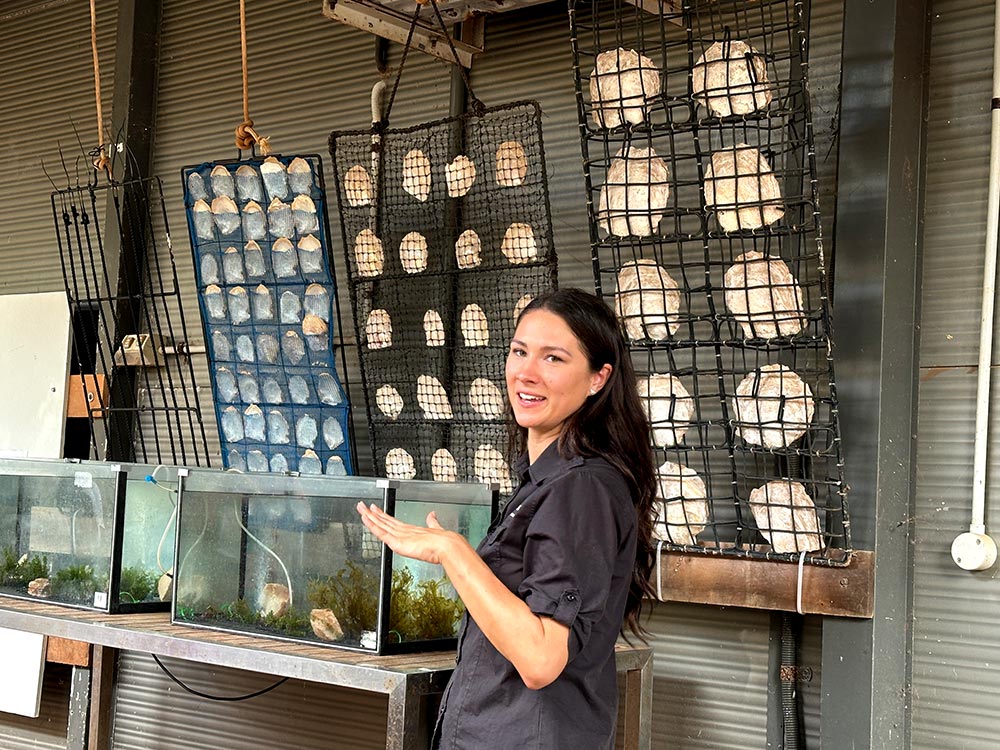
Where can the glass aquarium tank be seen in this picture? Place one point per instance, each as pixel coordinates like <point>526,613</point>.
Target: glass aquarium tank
<point>288,557</point>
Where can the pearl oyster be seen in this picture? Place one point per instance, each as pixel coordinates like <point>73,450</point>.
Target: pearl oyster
<point>647,300</point>
<point>635,193</point>
<point>772,407</point>
<point>681,509</point>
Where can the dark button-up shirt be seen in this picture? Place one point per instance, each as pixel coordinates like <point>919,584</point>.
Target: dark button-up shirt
<point>565,544</point>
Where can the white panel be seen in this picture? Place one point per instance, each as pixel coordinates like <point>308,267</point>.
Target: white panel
<point>34,352</point>
<point>23,659</point>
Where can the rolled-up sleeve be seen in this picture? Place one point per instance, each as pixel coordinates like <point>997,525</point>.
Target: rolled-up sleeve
<point>570,550</point>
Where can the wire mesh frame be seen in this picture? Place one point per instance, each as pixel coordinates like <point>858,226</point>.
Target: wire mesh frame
<point>434,312</point>
<point>698,150</point>
<point>112,299</point>
<point>271,313</point>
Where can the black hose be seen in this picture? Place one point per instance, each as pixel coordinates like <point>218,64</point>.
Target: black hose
<point>788,675</point>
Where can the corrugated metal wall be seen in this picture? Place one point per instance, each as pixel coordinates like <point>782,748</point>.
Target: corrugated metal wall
<point>956,643</point>
<point>47,90</point>
<point>309,75</point>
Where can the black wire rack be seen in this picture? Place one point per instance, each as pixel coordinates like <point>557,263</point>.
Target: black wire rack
<point>447,232</point>
<point>260,238</point>
<point>130,344</point>
<point>706,237</point>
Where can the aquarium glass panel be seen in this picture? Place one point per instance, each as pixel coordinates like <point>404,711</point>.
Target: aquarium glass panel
<point>288,557</point>
<point>59,528</point>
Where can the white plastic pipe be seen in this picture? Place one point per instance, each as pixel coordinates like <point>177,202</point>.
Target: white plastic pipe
<point>975,550</point>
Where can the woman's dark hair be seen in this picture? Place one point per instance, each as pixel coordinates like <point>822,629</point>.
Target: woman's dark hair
<point>611,424</point>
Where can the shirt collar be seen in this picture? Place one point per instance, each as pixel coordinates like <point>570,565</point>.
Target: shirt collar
<point>547,465</point>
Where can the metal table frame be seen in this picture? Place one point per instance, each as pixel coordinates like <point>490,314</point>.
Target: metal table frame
<point>405,679</point>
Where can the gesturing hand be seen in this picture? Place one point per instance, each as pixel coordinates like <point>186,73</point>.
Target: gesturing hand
<point>428,543</point>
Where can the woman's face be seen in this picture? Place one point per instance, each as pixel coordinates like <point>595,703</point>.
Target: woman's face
<point>548,376</point>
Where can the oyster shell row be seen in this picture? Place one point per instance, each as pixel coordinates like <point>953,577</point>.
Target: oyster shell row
<point>280,219</point>
<point>488,465</point>
<point>729,78</point>
<point>249,182</point>
<point>740,189</point>
<point>280,427</point>
<point>519,245</point>
<point>273,387</point>
<point>474,327</point>
<point>511,170</point>
<point>309,462</point>
<point>760,292</point>
<point>783,511</point>
<point>288,261</point>
<point>485,398</point>
<point>291,307</point>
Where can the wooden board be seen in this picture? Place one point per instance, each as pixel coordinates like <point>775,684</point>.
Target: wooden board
<point>769,584</point>
<point>65,651</point>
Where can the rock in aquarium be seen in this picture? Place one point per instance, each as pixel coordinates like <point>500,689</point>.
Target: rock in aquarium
<point>325,625</point>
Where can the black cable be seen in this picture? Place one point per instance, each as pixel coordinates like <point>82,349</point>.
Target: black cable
<point>171,675</point>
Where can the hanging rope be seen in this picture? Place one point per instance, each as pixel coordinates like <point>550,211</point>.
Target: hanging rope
<point>246,136</point>
<point>477,106</point>
<point>101,161</point>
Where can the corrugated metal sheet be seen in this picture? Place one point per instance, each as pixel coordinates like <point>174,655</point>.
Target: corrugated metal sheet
<point>956,644</point>
<point>151,711</point>
<point>956,647</point>
<point>711,667</point>
<point>47,91</point>
<point>48,731</point>
<point>958,136</point>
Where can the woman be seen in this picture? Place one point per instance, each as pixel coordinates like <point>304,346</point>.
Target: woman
<point>568,560</point>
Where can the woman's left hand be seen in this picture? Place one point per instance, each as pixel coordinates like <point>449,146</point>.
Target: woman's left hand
<point>427,543</point>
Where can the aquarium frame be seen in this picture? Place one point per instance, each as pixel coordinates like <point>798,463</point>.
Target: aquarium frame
<point>59,469</point>
<point>249,485</point>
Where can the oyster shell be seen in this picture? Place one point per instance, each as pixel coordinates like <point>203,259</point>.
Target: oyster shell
<point>248,184</point>
<point>635,193</point>
<point>460,174</point>
<point>310,255</point>
<point>486,398</point>
<point>772,407</point>
<point>232,266</point>
<point>786,516</point>
<point>512,164</point>
<point>468,249</point>
<point>239,306</point>
<point>433,328</point>
<point>681,510</point>
<point>490,467</point>
<point>358,186</point>
<point>521,304</point>
<point>413,252</point>
<point>399,464</point>
<point>304,215</point>
<point>647,300</point>
<point>275,178</point>
<point>226,214</point>
<point>222,182</point>
<point>443,466</point>
<point>741,189</point>
<point>668,406</point>
<point>475,328</point>
<point>368,254</point>
<point>730,78</point>
<point>432,398</point>
<point>300,179</point>
<point>263,303</point>
<point>279,219</point>
<point>621,85</point>
<point>284,261</point>
<point>763,296</point>
<point>417,174</point>
<point>519,244</point>
<point>378,329</point>
<point>254,221</point>
<point>388,401</point>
